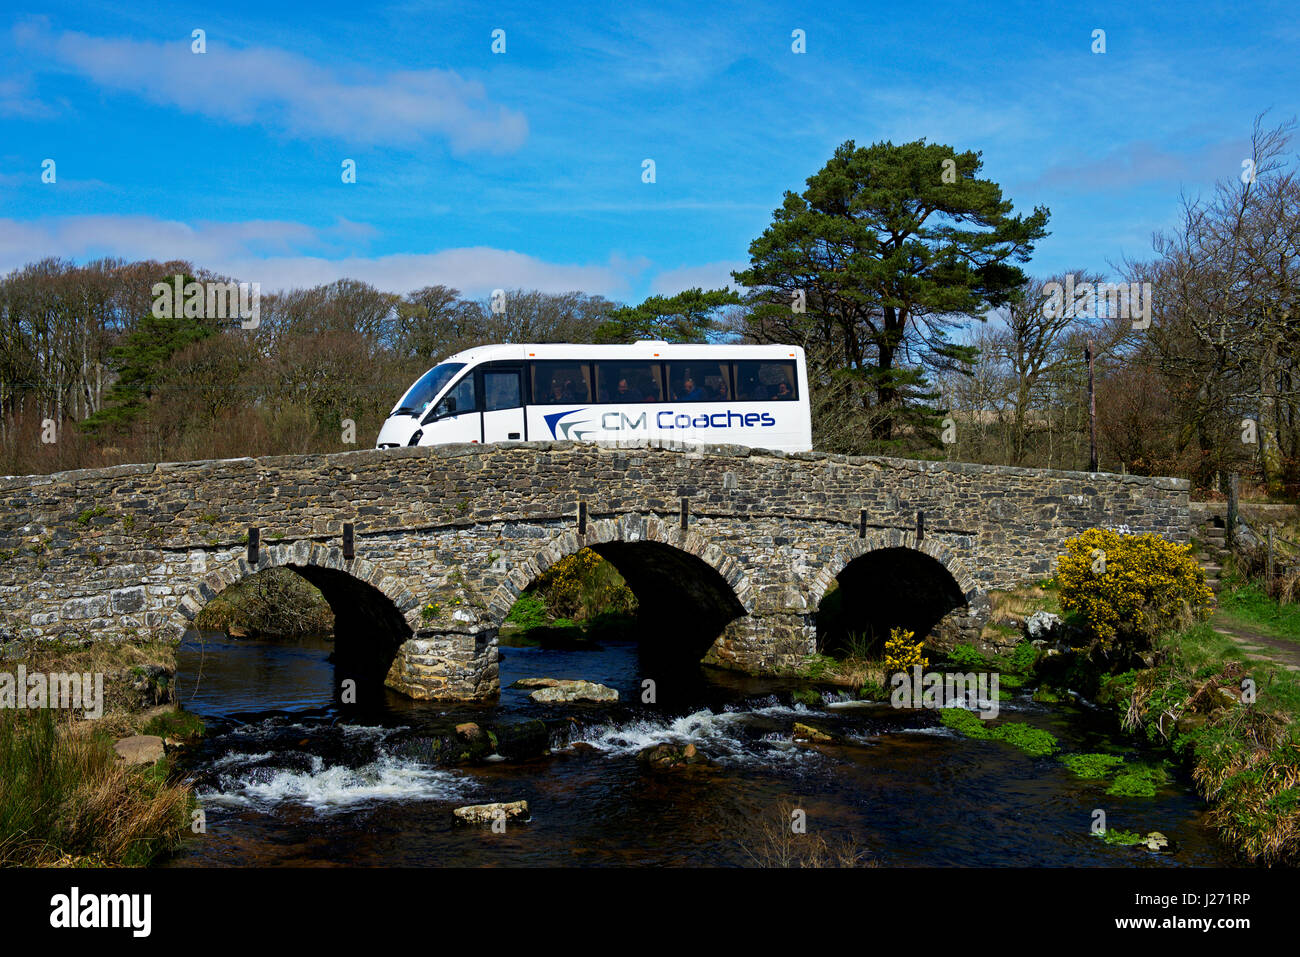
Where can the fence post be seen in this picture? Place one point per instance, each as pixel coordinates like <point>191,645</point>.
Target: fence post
<point>1230,535</point>
<point>1269,566</point>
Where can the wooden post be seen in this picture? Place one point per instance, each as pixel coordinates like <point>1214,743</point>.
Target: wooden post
<point>1269,566</point>
<point>349,544</point>
<point>862,524</point>
<point>920,527</point>
<point>582,518</point>
<point>686,512</point>
<point>1230,534</point>
<point>253,536</point>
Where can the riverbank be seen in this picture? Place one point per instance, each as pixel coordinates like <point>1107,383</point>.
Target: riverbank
<point>91,783</point>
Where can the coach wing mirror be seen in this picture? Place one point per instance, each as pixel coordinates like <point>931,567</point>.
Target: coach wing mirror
<point>446,406</point>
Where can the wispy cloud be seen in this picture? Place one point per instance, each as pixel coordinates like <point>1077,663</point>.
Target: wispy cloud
<point>264,85</point>
<point>285,255</point>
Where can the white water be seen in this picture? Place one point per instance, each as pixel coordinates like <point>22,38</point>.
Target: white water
<point>326,789</point>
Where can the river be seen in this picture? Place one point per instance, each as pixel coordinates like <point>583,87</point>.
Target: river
<point>287,778</point>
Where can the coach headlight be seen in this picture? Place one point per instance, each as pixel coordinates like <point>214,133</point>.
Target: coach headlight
<point>415,439</point>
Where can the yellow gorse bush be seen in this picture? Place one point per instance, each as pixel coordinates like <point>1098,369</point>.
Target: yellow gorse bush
<point>902,651</point>
<point>1131,586</point>
<point>583,584</point>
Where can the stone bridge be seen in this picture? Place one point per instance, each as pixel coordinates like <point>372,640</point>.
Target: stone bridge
<point>422,551</point>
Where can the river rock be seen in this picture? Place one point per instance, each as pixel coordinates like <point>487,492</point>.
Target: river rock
<point>667,756</point>
<point>1155,841</point>
<point>139,749</point>
<point>487,813</point>
<point>565,690</point>
<point>536,683</point>
<point>806,732</point>
<point>1043,625</point>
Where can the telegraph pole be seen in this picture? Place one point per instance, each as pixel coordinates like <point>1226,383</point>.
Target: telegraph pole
<point>1092,410</point>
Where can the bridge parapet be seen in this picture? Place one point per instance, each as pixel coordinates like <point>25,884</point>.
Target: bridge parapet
<point>449,536</point>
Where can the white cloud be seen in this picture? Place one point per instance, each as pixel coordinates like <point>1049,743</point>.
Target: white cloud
<point>287,91</point>
<point>715,275</point>
<point>285,255</point>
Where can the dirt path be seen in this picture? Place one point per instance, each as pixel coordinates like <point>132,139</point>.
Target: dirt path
<point>1256,644</point>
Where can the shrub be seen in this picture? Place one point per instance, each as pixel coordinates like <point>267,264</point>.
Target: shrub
<point>1131,587</point>
<point>582,585</point>
<point>902,651</point>
<point>965,656</point>
<point>528,611</point>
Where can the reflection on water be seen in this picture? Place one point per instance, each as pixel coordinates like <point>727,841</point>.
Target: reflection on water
<point>288,777</point>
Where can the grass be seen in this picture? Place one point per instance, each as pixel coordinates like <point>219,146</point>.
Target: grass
<point>66,799</point>
<point>1244,758</point>
<point>1245,603</point>
<point>771,841</point>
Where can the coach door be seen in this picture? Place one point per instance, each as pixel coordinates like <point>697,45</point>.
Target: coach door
<point>503,403</point>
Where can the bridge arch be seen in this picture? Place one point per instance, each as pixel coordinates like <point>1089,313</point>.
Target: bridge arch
<point>663,565</point>
<point>888,578</point>
<point>374,613</point>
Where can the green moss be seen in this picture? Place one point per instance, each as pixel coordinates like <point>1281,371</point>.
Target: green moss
<point>1092,765</point>
<point>175,724</point>
<point>1138,780</point>
<point>873,691</point>
<point>810,697</point>
<point>1117,835</point>
<point>965,656</point>
<point>1047,696</point>
<point>1021,659</point>
<point>1033,741</point>
<point>85,517</point>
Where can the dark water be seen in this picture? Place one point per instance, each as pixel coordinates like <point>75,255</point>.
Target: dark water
<point>287,778</point>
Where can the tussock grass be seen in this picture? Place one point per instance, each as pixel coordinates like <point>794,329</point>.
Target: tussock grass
<point>66,799</point>
<point>1245,758</point>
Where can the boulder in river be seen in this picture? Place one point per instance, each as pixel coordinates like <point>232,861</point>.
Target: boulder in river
<point>566,690</point>
<point>1155,841</point>
<point>487,813</point>
<point>806,732</point>
<point>668,756</point>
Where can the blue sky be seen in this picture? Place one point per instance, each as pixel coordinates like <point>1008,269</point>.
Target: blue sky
<point>524,169</point>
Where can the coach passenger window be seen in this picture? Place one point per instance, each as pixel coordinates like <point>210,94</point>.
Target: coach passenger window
<point>629,382</point>
<point>501,390</point>
<point>699,381</point>
<point>462,398</point>
<point>561,383</point>
<point>759,381</point>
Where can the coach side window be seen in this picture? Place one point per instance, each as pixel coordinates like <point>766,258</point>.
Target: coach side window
<point>629,382</point>
<point>698,381</point>
<point>561,383</point>
<point>759,381</point>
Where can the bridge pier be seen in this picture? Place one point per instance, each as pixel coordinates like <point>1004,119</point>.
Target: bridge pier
<point>447,666</point>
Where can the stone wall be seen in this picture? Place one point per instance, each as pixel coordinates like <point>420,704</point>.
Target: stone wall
<point>450,535</point>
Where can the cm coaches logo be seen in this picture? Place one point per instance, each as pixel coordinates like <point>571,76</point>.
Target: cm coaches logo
<point>664,421</point>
